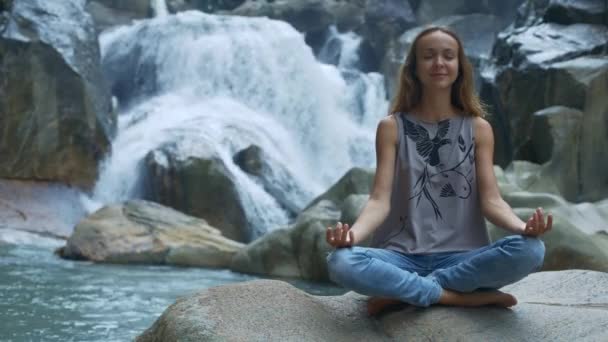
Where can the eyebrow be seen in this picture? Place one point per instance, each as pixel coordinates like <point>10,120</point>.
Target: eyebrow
<point>444,50</point>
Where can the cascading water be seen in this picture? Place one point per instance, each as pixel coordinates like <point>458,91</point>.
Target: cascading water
<point>215,85</point>
<point>159,7</point>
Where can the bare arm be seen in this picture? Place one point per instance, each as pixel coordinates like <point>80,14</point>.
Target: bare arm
<point>493,207</point>
<point>378,205</point>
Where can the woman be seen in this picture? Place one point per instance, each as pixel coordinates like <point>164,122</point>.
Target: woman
<point>434,184</point>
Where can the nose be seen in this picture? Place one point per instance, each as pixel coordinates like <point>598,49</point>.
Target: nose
<point>439,61</point>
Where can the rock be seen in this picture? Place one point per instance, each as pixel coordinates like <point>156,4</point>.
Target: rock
<point>140,8</point>
<point>304,16</point>
<point>577,239</point>
<point>556,306</point>
<point>299,250</point>
<point>275,178</point>
<point>42,208</point>
<point>145,232</point>
<point>564,12</point>
<point>517,90</point>
<point>385,20</point>
<point>567,12</point>
<point>352,207</point>
<point>272,255</point>
<point>431,10</point>
<point>106,15</point>
<point>56,112</point>
<point>209,6</point>
<point>355,181</point>
<point>556,140</point>
<point>199,185</point>
<point>307,15</point>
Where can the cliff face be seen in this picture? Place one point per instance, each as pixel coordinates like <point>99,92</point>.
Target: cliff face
<point>55,113</point>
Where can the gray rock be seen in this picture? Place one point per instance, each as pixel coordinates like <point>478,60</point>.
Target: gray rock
<point>355,181</point>
<point>303,15</point>
<point>43,208</point>
<point>578,84</point>
<point>274,177</point>
<point>553,306</point>
<point>105,15</point>
<point>352,207</point>
<point>56,112</point>
<point>431,10</point>
<point>198,185</point>
<point>577,239</point>
<point>567,12</point>
<point>563,12</point>
<point>145,232</point>
<point>299,250</point>
<point>556,141</point>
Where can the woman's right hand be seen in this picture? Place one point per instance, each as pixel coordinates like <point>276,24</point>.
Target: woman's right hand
<point>341,236</point>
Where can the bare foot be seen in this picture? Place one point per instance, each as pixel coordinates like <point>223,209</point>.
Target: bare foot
<point>375,305</point>
<point>477,298</point>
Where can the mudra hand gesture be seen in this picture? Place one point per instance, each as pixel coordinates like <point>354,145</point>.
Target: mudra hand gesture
<point>536,226</point>
<point>341,236</point>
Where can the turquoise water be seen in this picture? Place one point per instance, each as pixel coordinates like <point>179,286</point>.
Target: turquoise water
<point>45,298</point>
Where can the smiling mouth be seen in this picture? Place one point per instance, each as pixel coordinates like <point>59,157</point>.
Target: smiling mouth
<point>435,75</point>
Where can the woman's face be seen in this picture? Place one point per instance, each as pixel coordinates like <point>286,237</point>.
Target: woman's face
<point>437,60</point>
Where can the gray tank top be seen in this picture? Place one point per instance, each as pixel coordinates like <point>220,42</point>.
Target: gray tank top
<point>434,202</point>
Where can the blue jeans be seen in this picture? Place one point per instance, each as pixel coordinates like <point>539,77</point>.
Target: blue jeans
<point>418,279</point>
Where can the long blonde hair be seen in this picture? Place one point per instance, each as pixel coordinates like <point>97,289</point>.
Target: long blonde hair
<point>409,91</point>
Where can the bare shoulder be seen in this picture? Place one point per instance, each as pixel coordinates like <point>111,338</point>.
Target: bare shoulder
<point>482,129</point>
<point>388,129</point>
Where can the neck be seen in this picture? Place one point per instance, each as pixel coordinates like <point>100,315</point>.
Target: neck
<point>436,105</point>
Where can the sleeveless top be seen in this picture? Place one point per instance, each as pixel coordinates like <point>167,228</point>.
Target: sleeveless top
<point>434,202</point>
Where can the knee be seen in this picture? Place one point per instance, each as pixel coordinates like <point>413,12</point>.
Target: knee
<point>536,251</point>
<point>339,263</point>
<point>531,251</point>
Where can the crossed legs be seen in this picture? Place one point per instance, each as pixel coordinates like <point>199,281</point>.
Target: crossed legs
<point>395,277</point>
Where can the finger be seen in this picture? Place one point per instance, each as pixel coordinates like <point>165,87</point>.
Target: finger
<point>351,236</point>
<point>529,225</point>
<point>329,236</point>
<point>344,233</point>
<point>549,222</point>
<point>541,220</point>
<point>536,225</point>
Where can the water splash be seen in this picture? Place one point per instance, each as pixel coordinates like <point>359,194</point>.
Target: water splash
<point>218,84</point>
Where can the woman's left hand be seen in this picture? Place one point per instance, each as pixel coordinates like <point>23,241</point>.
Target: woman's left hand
<point>536,225</point>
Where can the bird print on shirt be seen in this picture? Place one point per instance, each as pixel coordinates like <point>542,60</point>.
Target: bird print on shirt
<point>453,182</point>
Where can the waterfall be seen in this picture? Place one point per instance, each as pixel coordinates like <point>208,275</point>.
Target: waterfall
<point>215,85</point>
<point>159,7</point>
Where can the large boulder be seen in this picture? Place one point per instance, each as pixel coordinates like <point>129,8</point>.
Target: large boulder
<point>145,232</point>
<point>577,240</point>
<point>108,13</point>
<point>299,250</point>
<point>564,12</point>
<point>556,143</point>
<point>209,6</point>
<point>542,66</point>
<point>56,120</point>
<point>553,306</point>
<point>430,10</point>
<point>274,177</point>
<point>355,181</point>
<point>307,15</point>
<point>198,185</point>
